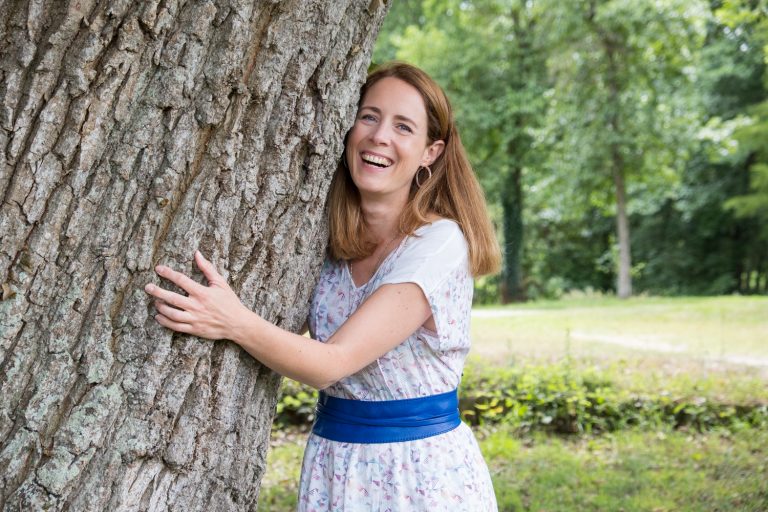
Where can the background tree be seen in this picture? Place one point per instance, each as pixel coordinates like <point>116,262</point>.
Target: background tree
<point>748,24</point>
<point>622,110</point>
<point>706,236</point>
<point>487,55</point>
<point>134,133</point>
<point>578,98</point>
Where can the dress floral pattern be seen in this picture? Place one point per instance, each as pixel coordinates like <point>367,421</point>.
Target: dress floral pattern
<point>443,472</point>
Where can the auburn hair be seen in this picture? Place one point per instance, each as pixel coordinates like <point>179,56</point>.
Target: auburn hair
<point>452,191</point>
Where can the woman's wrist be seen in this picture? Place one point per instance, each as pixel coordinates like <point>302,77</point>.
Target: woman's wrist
<point>243,325</point>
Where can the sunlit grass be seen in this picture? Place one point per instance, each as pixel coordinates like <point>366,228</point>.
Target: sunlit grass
<point>280,485</point>
<point>712,347</point>
<point>719,330</point>
<point>626,470</point>
<point>630,471</point>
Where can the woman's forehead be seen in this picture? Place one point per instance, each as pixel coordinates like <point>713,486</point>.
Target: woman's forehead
<point>393,96</point>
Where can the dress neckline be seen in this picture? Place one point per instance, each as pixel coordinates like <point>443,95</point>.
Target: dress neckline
<point>355,287</point>
<point>397,248</point>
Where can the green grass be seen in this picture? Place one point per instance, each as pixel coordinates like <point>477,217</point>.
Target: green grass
<point>280,485</point>
<point>679,345</point>
<point>630,471</point>
<point>624,471</point>
<point>684,332</point>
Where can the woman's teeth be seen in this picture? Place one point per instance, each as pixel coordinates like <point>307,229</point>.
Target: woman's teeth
<point>378,161</point>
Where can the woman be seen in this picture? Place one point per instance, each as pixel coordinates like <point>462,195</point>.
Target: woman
<point>408,230</point>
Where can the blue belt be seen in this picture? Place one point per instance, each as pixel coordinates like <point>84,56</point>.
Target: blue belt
<point>386,421</point>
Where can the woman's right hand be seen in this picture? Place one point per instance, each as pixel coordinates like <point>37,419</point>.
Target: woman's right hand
<point>213,312</point>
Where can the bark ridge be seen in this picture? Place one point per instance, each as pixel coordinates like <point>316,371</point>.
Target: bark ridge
<point>134,132</point>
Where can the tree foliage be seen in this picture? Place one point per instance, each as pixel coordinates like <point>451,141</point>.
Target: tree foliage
<point>487,55</point>
<point>617,140</point>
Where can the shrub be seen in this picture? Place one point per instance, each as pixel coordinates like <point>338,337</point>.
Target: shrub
<point>557,399</point>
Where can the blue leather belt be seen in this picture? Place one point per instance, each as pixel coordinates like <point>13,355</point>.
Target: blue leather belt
<point>386,421</point>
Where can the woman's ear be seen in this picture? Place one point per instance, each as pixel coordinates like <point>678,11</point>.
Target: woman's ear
<point>432,152</point>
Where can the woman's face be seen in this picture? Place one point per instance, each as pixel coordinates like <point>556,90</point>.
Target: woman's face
<point>388,141</point>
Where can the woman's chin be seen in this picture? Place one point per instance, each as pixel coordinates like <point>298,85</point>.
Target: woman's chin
<point>381,193</point>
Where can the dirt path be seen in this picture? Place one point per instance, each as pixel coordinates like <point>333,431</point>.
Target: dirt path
<point>649,343</point>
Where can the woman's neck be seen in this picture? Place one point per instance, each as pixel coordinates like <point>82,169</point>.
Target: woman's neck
<point>382,219</point>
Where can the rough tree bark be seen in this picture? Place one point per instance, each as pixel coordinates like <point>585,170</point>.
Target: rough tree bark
<point>134,132</point>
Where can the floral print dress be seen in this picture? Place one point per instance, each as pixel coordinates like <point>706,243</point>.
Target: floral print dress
<point>443,472</point>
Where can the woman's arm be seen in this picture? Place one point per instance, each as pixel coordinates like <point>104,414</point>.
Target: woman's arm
<point>382,322</point>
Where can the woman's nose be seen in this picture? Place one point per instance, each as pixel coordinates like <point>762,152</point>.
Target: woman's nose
<point>380,134</point>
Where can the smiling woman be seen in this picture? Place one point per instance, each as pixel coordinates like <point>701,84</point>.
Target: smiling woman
<point>386,147</point>
<point>389,316</point>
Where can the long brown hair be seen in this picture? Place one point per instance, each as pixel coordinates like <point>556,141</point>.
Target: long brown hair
<point>452,192</point>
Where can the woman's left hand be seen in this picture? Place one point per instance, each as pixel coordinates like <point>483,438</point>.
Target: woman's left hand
<point>212,311</point>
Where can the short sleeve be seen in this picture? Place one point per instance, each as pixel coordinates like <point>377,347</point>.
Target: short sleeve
<point>430,257</point>
<point>437,260</point>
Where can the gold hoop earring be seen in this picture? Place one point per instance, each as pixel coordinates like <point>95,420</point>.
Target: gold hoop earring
<point>429,171</point>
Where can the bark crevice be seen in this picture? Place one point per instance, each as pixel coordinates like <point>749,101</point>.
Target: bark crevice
<point>132,134</point>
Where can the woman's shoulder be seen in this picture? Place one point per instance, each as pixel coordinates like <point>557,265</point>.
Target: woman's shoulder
<point>440,237</point>
<point>429,256</point>
<point>440,228</point>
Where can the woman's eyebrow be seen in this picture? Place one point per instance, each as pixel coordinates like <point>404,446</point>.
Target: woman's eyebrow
<point>399,117</point>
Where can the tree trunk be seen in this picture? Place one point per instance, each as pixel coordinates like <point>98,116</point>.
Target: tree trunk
<point>134,132</point>
<point>624,276</point>
<point>525,61</point>
<point>512,211</point>
<point>624,280</point>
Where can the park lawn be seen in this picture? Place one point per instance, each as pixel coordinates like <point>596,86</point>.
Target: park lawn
<point>626,470</point>
<point>715,347</point>
<point>630,471</point>
<point>280,484</point>
<point>652,346</point>
<point>706,331</point>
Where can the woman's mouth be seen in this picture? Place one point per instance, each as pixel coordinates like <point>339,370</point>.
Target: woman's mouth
<point>379,161</point>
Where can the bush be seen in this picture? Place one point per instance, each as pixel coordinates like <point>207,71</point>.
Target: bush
<point>557,399</point>
<point>296,405</point>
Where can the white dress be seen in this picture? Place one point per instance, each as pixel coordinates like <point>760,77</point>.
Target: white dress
<point>443,472</point>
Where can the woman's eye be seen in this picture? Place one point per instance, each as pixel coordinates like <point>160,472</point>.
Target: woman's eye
<point>404,128</point>
<point>368,117</point>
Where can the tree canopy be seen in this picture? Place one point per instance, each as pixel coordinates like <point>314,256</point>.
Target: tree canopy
<point>621,143</point>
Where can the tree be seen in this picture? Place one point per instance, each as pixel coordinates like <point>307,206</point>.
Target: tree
<point>486,54</point>
<point>748,20</point>
<point>691,244</point>
<point>621,119</point>
<point>134,133</point>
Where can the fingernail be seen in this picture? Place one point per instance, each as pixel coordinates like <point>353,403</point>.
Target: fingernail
<point>159,269</point>
<point>149,287</point>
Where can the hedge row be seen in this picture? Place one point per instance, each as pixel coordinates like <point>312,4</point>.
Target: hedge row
<point>555,399</point>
